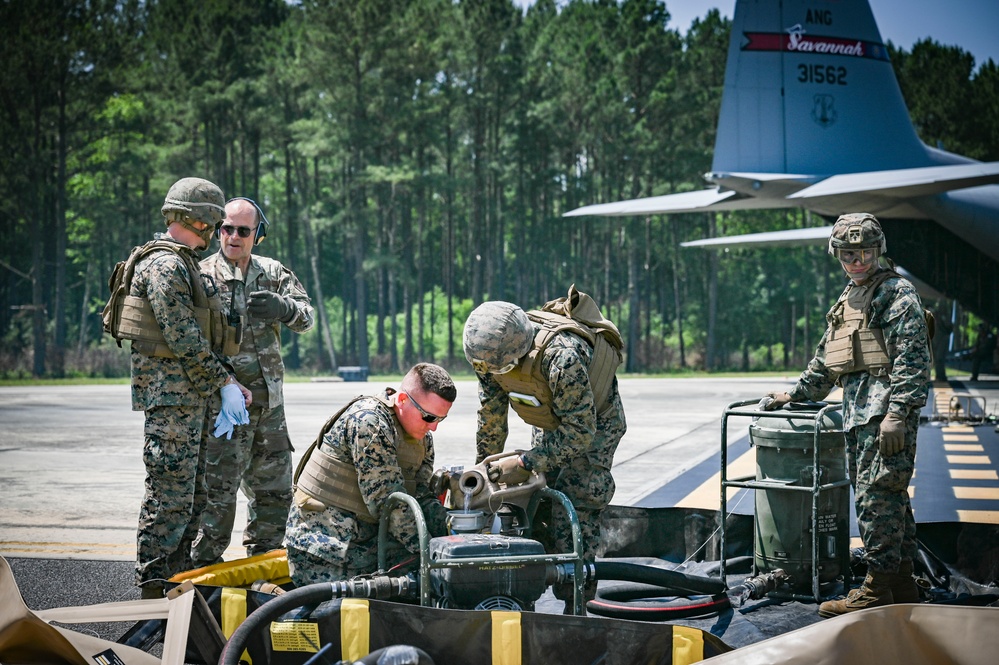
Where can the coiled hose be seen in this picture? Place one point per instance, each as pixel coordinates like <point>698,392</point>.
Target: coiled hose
<point>678,595</point>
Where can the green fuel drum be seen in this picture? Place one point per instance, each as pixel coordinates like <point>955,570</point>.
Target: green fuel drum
<point>792,501</point>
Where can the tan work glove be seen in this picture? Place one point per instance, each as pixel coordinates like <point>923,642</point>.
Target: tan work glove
<point>508,470</point>
<point>774,401</point>
<point>891,438</point>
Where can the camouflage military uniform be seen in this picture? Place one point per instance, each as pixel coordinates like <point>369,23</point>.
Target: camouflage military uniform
<point>881,482</point>
<point>258,457</point>
<point>334,544</point>
<point>577,457</point>
<point>174,393</point>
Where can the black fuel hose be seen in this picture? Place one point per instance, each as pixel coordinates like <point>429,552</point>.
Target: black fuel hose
<point>312,594</point>
<point>677,595</point>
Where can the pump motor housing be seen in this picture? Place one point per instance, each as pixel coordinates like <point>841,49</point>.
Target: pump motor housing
<point>513,585</point>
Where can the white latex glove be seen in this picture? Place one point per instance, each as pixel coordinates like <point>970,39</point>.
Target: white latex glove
<point>233,411</point>
<point>223,426</point>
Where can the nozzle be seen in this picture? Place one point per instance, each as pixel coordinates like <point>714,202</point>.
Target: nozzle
<point>754,588</point>
<point>471,482</point>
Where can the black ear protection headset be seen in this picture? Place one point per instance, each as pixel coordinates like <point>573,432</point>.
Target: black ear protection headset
<point>262,222</point>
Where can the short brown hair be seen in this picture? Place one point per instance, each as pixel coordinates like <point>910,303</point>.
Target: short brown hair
<point>430,378</point>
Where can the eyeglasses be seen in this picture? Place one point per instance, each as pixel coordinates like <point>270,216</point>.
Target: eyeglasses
<point>427,416</point>
<point>865,256</point>
<point>243,231</point>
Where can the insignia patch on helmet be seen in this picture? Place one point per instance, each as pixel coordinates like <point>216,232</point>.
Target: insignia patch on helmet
<point>855,235</point>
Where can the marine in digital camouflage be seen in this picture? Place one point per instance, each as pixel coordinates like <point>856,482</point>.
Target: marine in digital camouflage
<point>577,457</point>
<point>173,392</point>
<point>258,458</point>
<point>164,279</point>
<point>880,481</point>
<point>329,543</point>
<point>898,312</point>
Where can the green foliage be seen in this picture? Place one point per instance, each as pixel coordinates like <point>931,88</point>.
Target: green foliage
<point>414,158</point>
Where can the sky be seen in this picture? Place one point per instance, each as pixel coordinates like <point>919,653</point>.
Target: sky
<point>971,24</point>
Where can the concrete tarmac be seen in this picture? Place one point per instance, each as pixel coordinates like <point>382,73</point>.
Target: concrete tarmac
<point>71,472</point>
<point>71,476</point>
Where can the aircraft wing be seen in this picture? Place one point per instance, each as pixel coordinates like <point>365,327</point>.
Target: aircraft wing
<point>887,193</point>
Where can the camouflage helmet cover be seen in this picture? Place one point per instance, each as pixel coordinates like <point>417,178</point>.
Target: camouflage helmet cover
<point>857,230</point>
<point>196,198</point>
<point>496,334</point>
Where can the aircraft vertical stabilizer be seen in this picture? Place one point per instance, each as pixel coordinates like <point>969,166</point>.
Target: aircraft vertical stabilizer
<point>809,89</point>
<point>812,117</point>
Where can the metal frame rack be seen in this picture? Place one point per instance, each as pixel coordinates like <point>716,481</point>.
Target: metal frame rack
<point>750,482</point>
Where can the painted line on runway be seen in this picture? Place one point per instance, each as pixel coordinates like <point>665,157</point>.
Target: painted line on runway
<point>978,516</point>
<point>974,474</point>
<point>977,493</point>
<point>964,448</point>
<point>705,496</point>
<point>968,459</point>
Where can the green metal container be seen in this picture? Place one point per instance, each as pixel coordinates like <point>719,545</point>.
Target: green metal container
<point>784,517</point>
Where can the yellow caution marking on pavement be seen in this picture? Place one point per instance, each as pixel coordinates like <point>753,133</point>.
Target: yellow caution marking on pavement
<point>978,516</point>
<point>987,493</point>
<point>974,474</point>
<point>706,495</point>
<point>968,459</point>
<point>960,437</point>
<point>963,448</point>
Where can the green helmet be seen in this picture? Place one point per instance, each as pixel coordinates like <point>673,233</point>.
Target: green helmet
<point>857,230</point>
<point>195,199</point>
<point>497,335</point>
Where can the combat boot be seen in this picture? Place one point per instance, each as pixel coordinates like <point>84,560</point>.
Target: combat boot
<point>874,592</point>
<point>903,586</point>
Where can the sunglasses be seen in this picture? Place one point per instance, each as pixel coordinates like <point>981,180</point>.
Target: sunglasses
<point>426,415</point>
<point>242,231</point>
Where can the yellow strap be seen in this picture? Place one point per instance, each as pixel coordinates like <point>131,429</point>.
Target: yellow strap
<point>355,629</point>
<point>506,638</point>
<point>688,645</point>
<point>234,613</point>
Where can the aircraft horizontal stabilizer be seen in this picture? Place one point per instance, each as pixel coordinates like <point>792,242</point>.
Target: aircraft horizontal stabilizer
<point>905,183</point>
<point>685,202</point>
<point>815,235</point>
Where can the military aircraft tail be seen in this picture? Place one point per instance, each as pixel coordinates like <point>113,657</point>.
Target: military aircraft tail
<point>812,117</point>
<point>809,90</point>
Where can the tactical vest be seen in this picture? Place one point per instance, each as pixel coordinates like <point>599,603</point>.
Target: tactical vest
<point>333,482</point>
<point>852,345</point>
<point>131,317</point>
<point>526,385</point>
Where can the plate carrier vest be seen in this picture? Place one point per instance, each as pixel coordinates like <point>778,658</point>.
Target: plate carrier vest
<point>853,346</point>
<point>579,315</point>
<point>333,482</point>
<point>130,317</point>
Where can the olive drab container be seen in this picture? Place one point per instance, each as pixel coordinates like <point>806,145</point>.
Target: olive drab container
<point>786,517</point>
